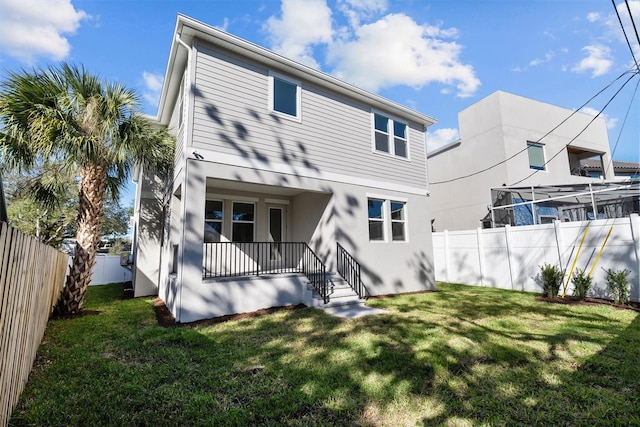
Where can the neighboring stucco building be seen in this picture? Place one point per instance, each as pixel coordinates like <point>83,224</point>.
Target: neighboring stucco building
<point>275,165</point>
<point>509,140</point>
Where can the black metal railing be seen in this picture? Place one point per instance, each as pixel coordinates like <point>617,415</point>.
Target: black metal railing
<point>349,269</point>
<point>233,259</point>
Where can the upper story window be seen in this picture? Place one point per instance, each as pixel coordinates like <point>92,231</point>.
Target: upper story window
<point>536,156</point>
<point>390,136</point>
<point>284,96</point>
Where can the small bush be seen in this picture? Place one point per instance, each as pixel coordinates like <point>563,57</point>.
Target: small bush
<point>581,284</point>
<point>618,285</point>
<point>551,279</point>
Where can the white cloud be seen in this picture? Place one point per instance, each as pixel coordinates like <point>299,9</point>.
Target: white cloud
<point>547,57</point>
<point>153,87</point>
<point>610,121</point>
<point>371,51</point>
<point>29,28</point>
<point>441,137</point>
<point>593,17</point>
<point>303,24</point>
<point>356,10</point>
<point>396,50</point>
<point>613,31</point>
<point>598,60</point>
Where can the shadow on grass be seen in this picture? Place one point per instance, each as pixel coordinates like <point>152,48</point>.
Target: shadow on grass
<point>432,360</point>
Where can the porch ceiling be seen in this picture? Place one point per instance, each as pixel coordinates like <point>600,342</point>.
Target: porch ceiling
<point>254,188</point>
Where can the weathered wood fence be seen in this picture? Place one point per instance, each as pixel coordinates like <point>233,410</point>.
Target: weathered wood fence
<point>31,279</point>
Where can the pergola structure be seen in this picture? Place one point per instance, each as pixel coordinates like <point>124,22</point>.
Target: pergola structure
<point>569,202</point>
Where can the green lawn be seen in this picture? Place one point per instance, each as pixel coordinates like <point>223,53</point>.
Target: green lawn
<point>461,356</point>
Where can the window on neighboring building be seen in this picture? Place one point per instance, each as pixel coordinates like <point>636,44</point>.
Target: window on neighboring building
<point>284,96</point>
<point>536,156</point>
<point>397,221</point>
<point>376,219</point>
<point>390,136</point>
<point>243,222</point>
<point>212,220</point>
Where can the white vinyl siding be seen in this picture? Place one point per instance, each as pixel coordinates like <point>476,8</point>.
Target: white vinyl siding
<point>335,135</point>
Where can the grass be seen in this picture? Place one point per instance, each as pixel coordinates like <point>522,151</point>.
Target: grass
<point>461,356</point>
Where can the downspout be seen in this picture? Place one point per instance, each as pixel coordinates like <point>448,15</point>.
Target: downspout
<point>183,204</point>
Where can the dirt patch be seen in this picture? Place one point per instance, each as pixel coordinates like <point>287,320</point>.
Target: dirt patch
<point>570,300</point>
<point>166,319</point>
<point>66,316</point>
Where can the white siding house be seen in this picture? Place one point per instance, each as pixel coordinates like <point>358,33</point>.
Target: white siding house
<point>276,165</point>
<point>509,140</point>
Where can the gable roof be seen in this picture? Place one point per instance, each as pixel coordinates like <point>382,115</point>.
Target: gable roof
<point>188,28</point>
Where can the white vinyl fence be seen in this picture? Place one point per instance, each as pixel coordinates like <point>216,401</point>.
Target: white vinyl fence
<point>107,269</point>
<point>510,257</point>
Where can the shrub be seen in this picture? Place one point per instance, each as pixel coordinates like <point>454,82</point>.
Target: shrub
<point>551,279</point>
<point>618,285</point>
<point>581,284</point>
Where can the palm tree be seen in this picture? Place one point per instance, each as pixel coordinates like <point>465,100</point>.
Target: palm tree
<point>64,114</point>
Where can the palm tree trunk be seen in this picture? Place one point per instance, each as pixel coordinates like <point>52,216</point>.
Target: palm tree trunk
<point>90,214</point>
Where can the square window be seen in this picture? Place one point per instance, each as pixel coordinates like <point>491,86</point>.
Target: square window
<point>536,156</point>
<point>284,96</point>
<point>390,136</point>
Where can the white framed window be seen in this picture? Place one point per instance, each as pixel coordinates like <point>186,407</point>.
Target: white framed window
<point>387,217</point>
<point>284,96</point>
<point>376,208</point>
<point>398,221</point>
<point>243,221</point>
<point>536,156</point>
<point>390,136</point>
<point>213,219</point>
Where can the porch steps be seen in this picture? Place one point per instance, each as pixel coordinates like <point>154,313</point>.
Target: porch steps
<point>340,294</point>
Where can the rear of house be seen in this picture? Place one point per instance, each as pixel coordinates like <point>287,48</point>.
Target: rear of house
<point>283,178</point>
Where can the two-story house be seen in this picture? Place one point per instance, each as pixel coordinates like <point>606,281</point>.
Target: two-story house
<point>511,141</point>
<point>279,168</point>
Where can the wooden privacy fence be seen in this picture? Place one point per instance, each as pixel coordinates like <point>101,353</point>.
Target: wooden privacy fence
<point>31,278</point>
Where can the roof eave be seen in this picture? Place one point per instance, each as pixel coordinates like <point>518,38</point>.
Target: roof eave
<point>188,29</point>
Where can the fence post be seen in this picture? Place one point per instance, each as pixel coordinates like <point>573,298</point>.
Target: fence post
<point>507,236</point>
<point>634,222</point>
<point>446,256</point>
<point>556,229</point>
<point>480,254</point>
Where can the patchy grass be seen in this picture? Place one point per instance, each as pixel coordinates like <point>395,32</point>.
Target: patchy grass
<point>461,356</point>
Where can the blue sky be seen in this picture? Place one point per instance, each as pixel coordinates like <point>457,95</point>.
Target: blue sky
<point>437,57</point>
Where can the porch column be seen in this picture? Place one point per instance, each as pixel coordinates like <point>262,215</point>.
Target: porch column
<point>189,297</point>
